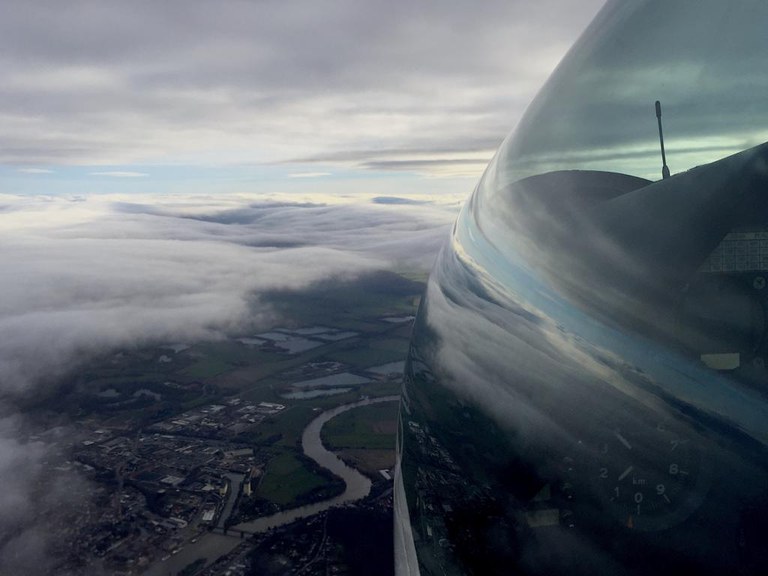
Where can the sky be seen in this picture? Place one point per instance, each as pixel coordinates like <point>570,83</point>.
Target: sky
<point>268,96</point>
<point>164,165</point>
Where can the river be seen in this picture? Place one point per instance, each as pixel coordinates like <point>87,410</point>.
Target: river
<point>357,485</point>
<point>235,480</point>
<point>212,545</point>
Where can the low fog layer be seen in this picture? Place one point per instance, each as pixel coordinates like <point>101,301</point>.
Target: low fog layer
<point>90,275</point>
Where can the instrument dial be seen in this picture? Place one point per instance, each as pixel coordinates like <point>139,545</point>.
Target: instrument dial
<point>649,479</point>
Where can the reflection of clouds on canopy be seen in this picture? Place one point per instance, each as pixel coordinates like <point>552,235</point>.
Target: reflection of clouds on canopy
<point>588,317</point>
<point>488,339</point>
<point>584,256</point>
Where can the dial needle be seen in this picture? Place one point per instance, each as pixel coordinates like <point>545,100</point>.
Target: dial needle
<point>623,440</point>
<point>626,473</point>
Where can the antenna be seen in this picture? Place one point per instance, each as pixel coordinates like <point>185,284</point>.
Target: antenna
<point>664,167</point>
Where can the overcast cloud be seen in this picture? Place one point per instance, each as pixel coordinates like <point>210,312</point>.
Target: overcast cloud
<point>108,82</point>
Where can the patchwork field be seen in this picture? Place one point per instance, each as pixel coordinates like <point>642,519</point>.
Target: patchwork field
<point>288,479</point>
<point>370,428</point>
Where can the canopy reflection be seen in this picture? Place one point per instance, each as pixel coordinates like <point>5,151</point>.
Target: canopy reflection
<point>586,387</point>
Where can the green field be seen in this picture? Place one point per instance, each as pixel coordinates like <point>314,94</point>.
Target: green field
<point>382,389</point>
<point>288,479</point>
<point>284,428</point>
<point>374,352</point>
<point>351,304</point>
<point>205,368</point>
<point>370,427</point>
<point>210,359</point>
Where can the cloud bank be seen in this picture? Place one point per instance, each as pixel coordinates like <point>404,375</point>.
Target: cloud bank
<point>81,276</point>
<point>193,82</point>
<point>84,276</point>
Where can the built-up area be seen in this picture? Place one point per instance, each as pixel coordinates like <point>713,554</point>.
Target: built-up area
<point>178,443</point>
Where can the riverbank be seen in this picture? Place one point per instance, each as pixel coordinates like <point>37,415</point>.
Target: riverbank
<point>357,485</point>
<point>211,545</point>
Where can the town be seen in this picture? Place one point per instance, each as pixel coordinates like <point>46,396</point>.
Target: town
<point>192,461</point>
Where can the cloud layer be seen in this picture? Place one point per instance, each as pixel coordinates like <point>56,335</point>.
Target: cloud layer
<point>88,275</point>
<point>194,82</point>
<point>81,276</point>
